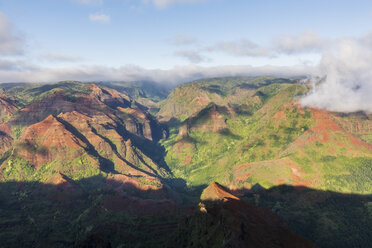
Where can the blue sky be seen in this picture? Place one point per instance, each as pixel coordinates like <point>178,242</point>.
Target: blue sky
<point>166,34</point>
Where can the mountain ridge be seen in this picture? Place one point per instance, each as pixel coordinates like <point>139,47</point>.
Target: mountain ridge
<point>139,158</point>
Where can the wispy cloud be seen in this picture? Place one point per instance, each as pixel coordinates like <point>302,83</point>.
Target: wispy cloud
<point>11,43</point>
<point>89,2</point>
<point>242,47</point>
<point>101,18</point>
<point>59,57</point>
<point>307,41</point>
<point>167,3</point>
<point>173,76</point>
<point>191,55</point>
<point>295,44</point>
<point>180,40</point>
<point>161,4</point>
<point>14,65</point>
<point>290,44</point>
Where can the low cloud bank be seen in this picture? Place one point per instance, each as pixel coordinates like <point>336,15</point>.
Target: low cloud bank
<point>346,69</point>
<point>170,77</point>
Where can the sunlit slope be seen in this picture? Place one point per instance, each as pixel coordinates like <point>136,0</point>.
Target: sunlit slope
<point>190,98</point>
<point>269,139</point>
<point>79,131</point>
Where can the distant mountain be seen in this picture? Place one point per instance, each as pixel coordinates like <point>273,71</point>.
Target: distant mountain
<point>190,98</point>
<point>140,89</point>
<point>149,94</point>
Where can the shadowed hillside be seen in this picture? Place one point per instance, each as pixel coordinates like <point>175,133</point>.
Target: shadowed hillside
<point>65,212</point>
<point>68,213</point>
<point>326,218</point>
<point>329,219</point>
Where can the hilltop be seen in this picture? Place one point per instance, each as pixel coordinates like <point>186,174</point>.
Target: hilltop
<point>264,136</point>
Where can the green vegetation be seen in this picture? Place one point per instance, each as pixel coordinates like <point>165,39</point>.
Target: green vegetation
<point>242,132</point>
<point>47,216</point>
<point>26,94</point>
<point>188,99</point>
<point>249,138</point>
<point>18,169</point>
<point>17,131</point>
<point>329,219</point>
<point>145,93</point>
<point>268,139</point>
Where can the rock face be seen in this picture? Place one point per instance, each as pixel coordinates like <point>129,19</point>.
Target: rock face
<point>5,142</point>
<point>54,103</point>
<point>97,141</point>
<point>96,100</point>
<point>115,105</point>
<point>82,134</point>
<point>47,141</point>
<point>7,107</point>
<point>224,220</point>
<point>110,97</point>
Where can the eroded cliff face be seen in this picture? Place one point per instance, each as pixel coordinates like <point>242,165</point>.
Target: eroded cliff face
<point>100,131</point>
<point>7,106</point>
<point>47,141</point>
<point>6,142</point>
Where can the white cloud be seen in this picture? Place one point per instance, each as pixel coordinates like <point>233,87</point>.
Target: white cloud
<point>101,18</point>
<point>89,2</point>
<point>158,3</point>
<point>13,65</point>
<point>173,76</point>
<point>347,68</point>
<point>192,56</point>
<point>242,47</point>
<point>366,40</point>
<point>59,57</point>
<point>308,41</point>
<point>11,43</point>
<point>181,39</point>
<point>167,3</point>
